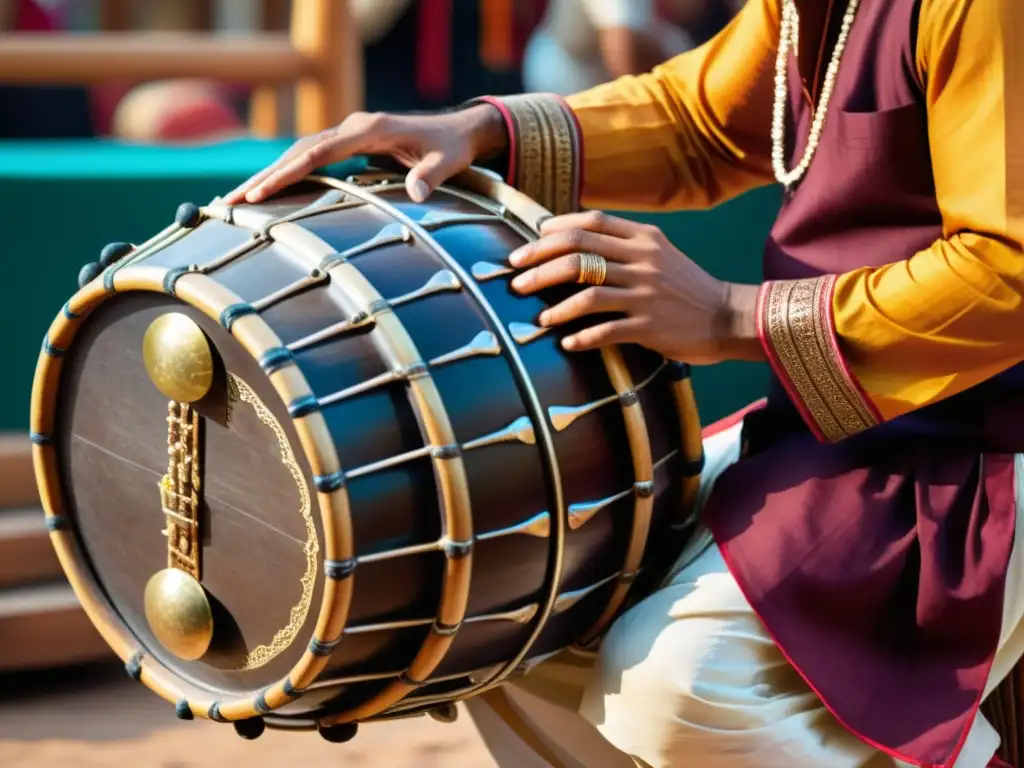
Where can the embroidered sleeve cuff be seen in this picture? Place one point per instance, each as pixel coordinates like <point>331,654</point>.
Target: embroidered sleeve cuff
<point>545,149</point>
<point>797,329</point>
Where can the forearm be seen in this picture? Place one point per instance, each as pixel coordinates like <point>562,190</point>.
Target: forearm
<point>739,332</point>
<point>490,134</point>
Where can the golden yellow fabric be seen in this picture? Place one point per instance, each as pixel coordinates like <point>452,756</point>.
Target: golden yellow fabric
<point>695,132</point>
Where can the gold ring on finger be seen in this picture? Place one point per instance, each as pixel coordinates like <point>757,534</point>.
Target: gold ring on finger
<point>593,269</point>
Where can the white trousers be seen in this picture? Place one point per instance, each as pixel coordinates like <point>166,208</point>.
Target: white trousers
<point>690,677</point>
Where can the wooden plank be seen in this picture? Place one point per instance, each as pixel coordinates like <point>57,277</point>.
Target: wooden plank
<point>26,555</point>
<point>115,15</point>
<point>256,59</point>
<point>17,481</point>
<point>324,31</point>
<point>44,626</point>
<point>265,105</point>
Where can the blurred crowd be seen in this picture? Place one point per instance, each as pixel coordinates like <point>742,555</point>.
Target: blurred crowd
<point>419,55</point>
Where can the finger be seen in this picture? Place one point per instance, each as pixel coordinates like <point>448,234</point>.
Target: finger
<point>428,174</point>
<point>567,241</point>
<point>591,221</point>
<point>627,330</point>
<point>564,269</point>
<point>332,150</point>
<point>237,195</point>
<point>360,133</point>
<point>591,301</point>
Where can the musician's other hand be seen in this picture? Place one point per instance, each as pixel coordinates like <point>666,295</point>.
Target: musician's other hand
<point>434,147</point>
<point>664,300</point>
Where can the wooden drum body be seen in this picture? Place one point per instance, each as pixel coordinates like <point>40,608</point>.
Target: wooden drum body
<point>310,462</point>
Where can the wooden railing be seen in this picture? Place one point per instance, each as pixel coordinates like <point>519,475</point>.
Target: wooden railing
<point>41,621</point>
<point>321,57</point>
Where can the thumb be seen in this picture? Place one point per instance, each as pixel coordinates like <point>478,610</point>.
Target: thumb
<point>428,174</point>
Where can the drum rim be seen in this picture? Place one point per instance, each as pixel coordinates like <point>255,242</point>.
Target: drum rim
<point>257,338</point>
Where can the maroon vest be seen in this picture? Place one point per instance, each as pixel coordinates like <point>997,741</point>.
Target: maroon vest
<point>868,198</point>
<point>877,563</point>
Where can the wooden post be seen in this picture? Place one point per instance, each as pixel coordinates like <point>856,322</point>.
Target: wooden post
<point>115,15</point>
<point>275,15</point>
<point>265,112</point>
<point>265,103</point>
<point>323,30</point>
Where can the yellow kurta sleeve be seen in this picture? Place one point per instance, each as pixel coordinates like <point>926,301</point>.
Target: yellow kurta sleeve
<point>692,133</point>
<point>946,319</point>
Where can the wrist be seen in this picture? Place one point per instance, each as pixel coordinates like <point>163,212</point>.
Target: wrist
<point>488,132</point>
<point>739,337</point>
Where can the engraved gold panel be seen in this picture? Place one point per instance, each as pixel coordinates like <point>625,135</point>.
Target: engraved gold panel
<point>177,609</point>
<point>241,393</point>
<point>179,488</point>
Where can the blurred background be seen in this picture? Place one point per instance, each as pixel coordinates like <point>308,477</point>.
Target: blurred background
<point>112,112</point>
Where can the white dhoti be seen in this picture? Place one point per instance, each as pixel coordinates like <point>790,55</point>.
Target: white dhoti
<point>690,677</point>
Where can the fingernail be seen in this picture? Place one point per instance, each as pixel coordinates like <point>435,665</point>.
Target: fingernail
<point>419,191</point>
<point>544,317</point>
<point>515,258</point>
<point>519,282</point>
<point>568,342</point>
<point>253,195</point>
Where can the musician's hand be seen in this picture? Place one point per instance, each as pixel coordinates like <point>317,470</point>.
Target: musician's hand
<point>434,147</point>
<point>664,300</point>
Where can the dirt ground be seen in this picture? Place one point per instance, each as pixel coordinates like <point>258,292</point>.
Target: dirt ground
<point>97,718</point>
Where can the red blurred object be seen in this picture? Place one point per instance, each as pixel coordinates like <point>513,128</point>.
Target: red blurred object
<point>30,17</point>
<point>434,49</point>
<point>528,16</point>
<point>176,111</point>
<point>515,19</point>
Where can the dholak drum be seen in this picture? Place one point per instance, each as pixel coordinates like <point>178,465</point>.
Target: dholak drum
<point>311,462</point>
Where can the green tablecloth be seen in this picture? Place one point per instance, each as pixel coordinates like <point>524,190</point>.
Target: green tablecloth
<point>62,201</point>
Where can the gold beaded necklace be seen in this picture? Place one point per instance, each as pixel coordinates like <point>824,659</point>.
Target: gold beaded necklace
<point>789,38</point>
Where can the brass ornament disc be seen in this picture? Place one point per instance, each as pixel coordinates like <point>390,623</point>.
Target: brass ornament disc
<point>179,613</point>
<point>178,357</point>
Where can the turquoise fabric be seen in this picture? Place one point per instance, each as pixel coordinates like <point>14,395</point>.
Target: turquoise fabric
<point>80,161</point>
<point>62,201</point>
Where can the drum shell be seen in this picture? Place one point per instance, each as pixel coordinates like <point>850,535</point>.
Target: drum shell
<point>477,598</point>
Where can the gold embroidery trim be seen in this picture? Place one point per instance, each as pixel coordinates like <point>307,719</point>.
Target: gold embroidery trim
<point>797,320</point>
<point>239,391</point>
<point>180,487</point>
<point>547,151</point>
